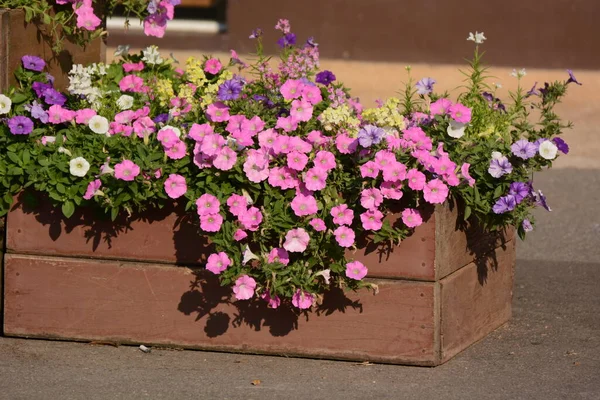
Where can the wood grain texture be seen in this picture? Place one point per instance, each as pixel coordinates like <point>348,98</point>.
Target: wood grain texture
<point>476,299</point>
<point>198,3</point>
<point>144,303</point>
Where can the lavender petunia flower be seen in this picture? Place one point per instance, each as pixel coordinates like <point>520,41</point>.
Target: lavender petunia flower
<point>325,77</point>
<point>523,149</point>
<point>520,190</point>
<point>572,77</point>
<point>230,90</point>
<point>369,135</point>
<point>311,42</point>
<point>40,87</point>
<point>20,125</point>
<point>561,144</point>
<point>38,112</point>
<point>504,204</point>
<point>161,118</point>
<point>52,96</point>
<point>533,91</point>
<point>289,39</point>
<point>33,63</point>
<point>50,78</point>
<point>500,166</point>
<point>425,86</point>
<point>527,227</point>
<point>540,200</point>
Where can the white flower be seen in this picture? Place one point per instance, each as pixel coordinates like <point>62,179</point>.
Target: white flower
<point>326,274</point>
<point>248,197</point>
<point>64,151</point>
<point>518,74</point>
<point>548,150</point>
<point>498,85</point>
<point>5,104</point>
<point>122,50</point>
<point>98,124</point>
<point>248,255</point>
<point>125,102</point>
<point>79,166</point>
<point>496,155</point>
<point>151,55</point>
<point>456,129</point>
<point>477,37</point>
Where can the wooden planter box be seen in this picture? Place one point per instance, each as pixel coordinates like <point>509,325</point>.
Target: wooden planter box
<point>19,39</point>
<point>439,292</point>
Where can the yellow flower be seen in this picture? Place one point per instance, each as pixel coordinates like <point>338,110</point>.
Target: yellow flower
<point>194,71</point>
<point>385,116</point>
<point>164,91</point>
<point>340,117</point>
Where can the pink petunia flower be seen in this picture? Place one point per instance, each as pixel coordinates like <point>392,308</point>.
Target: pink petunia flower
<point>237,204</point>
<point>218,262</point>
<point>126,170</point>
<point>301,110</point>
<point>282,177</point>
<point>440,107</point>
<point>416,179</point>
<point>342,215</point>
<point>125,117</point>
<point>345,144</point>
<point>297,160</point>
<point>273,302</point>
<point>315,179</point>
<point>177,150</point>
<point>199,131</point>
<point>356,270</point>
<point>411,217</point>
<point>208,204</point>
<point>218,112</point>
<point>371,198</point>
<point>317,138</point>
<point>299,145</point>
<point>435,191</point>
<point>256,170</point>
<point>92,188</point>
<point>128,67</point>
<point>83,116</point>
<point>131,83</point>
<point>296,240</point>
<point>239,235</point>
<point>225,159</point>
<point>213,66</point>
<point>443,166</point>
<point>267,138</point>
<point>304,205</point>
<point>287,124</point>
<point>279,255</point>
<point>251,219</point>
<point>234,125</point>
<point>460,113</point>
<point>464,170</point>
<point>253,125</point>
<point>244,287</point>
<point>384,158</point>
<point>318,224</point>
<point>372,220</point>
<point>211,222</point>
<point>175,186</point>
<point>302,300</point>
<point>312,94</point>
<point>325,160</point>
<point>344,236</point>
<point>394,172</point>
<point>212,143</point>
<point>370,169</point>
<point>292,89</point>
<point>392,190</point>
<point>143,127</point>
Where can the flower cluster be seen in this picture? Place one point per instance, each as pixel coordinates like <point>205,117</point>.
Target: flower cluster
<point>284,170</point>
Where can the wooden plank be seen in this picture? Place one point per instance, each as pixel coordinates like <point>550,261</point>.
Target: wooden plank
<point>199,3</point>
<point>4,33</point>
<point>143,303</point>
<point>476,299</point>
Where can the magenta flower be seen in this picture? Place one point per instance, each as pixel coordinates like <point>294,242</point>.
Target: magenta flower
<point>225,159</point>
<point>342,215</point>
<point>369,170</point>
<point>131,83</point>
<point>92,187</point>
<point>273,302</point>
<point>384,158</point>
<point>237,204</point>
<point>435,192</point>
<point>440,106</point>
<point>411,217</point>
<point>297,160</point>
<point>356,270</point>
<point>218,112</point>
<point>391,190</point>
<point>344,236</point>
<point>394,172</point>
<point>218,262</point>
<point>126,170</point>
<point>175,186</point>
<point>416,179</point>
<point>304,205</point>
<point>292,89</point>
<point>244,287</point>
<point>302,300</point>
<point>460,113</point>
<point>325,160</point>
<point>464,170</point>
<point>315,179</point>
<point>213,66</point>
<point>318,224</point>
<point>239,235</point>
<point>211,222</point>
<point>208,204</point>
<point>372,220</point>
<point>251,219</point>
<point>279,255</point>
<point>371,198</point>
<point>296,240</point>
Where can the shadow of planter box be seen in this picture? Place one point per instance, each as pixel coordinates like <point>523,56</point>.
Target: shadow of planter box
<point>19,39</point>
<point>439,292</point>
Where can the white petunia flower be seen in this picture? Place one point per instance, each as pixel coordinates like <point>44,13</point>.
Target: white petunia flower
<point>151,55</point>
<point>98,124</point>
<point>477,37</point>
<point>64,151</point>
<point>79,166</point>
<point>326,274</point>
<point>496,155</point>
<point>248,255</point>
<point>122,50</point>
<point>518,74</point>
<point>548,150</point>
<point>5,104</point>
<point>456,129</point>
<point>125,102</point>
<point>247,197</point>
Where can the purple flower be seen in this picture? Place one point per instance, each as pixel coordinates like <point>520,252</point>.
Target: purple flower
<point>369,135</point>
<point>527,227</point>
<point>175,2</point>
<point>33,63</point>
<point>540,200</point>
<point>53,96</point>
<point>325,77</point>
<point>500,166</point>
<point>311,42</point>
<point>561,144</point>
<point>161,118</point>
<point>50,78</point>
<point>152,7</point>
<point>38,112</point>
<point>20,125</point>
<point>505,204</point>
<point>289,39</point>
<point>533,91</point>
<point>488,96</point>
<point>40,87</point>
<point>572,77</point>
<point>523,149</point>
<point>256,33</point>
<point>520,190</point>
<point>425,86</point>
<point>230,90</point>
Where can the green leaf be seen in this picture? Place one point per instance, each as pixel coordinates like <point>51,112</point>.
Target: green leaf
<point>114,213</point>
<point>68,208</point>
<point>467,212</point>
<point>14,158</point>
<point>60,188</point>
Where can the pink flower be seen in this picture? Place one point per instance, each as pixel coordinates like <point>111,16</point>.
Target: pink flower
<point>239,235</point>
<point>225,159</point>
<point>167,137</point>
<point>345,144</point>
<point>282,177</point>
<point>279,255</point>
<point>371,198</point>
<point>312,94</point>
<point>131,83</point>
<point>86,19</point>
<point>125,117</point>
<point>372,220</point>
<point>212,143</point>
<point>392,190</point>
<point>396,171</point>
<point>212,66</point>
<point>218,112</point>
<point>356,270</point>
<point>273,302</point>
<point>218,262</point>
<point>237,204</point>
<point>464,170</point>
<point>297,160</point>
<point>304,205</point>
<point>342,215</point>
<point>318,224</point>
<point>344,236</point>
<point>451,179</point>
<point>143,127</point>
<point>208,204</point>
<point>155,25</point>
<point>177,150</point>
<point>267,138</point>
<point>83,116</point>
<point>302,300</point>
<point>288,124</point>
<point>325,160</point>
<point>444,166</point>
<point>251,219</point>
<point>158,173</point>
<point>292,89</point>
<point>416,179</point>
<point>253,126</point>
<point>369,170</point>
<point>296,240</point>
<point>281,145</point>
<point>435,191</point>
<point>384,158</point>
<point>301,110</point>
<point>199,131</point>
<point>234,125</point>
<point>460,113</point>
<point>128,67</point>
<point>211,222</point>
<point>411,217</point>
<point>126,170</point>
<point>440,107</point>
<point>244,288</point>
<point>257,170</point>
<point>175,186</point>
<point>317,138</point>
<point>93,186</point>
<point>315,179</point>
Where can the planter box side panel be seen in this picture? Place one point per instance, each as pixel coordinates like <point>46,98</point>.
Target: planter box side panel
<point>144,303</point>
<point>476,300</point>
